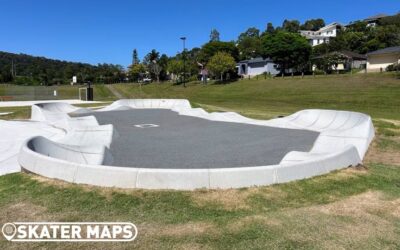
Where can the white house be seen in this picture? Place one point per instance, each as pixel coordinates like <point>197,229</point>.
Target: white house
<point>371,21</point>
<point>378,60</point>
<point>256,66</point>
<point>322,35</point>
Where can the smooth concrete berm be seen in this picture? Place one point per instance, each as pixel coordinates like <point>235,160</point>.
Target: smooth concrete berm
<point>97,149</point>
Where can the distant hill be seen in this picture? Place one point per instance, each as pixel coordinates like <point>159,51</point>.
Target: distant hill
<point>33,70</point>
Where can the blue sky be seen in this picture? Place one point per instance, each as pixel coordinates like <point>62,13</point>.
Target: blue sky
<point>107,31</point>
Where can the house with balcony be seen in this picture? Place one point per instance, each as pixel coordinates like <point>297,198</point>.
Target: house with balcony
<point>323,34</point>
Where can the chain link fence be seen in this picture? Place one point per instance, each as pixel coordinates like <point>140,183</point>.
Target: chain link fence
<point>32,93</point>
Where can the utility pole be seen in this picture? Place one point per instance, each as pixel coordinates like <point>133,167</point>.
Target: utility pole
<point>184,61</point>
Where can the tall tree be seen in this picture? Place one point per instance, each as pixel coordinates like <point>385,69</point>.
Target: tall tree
<point>211,48</point>
<point>214,35</point>
<point>288,50</point>
<point>313,24</point>
<point>250,32</point>
<point>135,57</point>
<point>151,62</point>
<point>291,26</point>
<point>249,44</point>
<point>270,29</point>
<point>163,62</point>
<point>153,55</point>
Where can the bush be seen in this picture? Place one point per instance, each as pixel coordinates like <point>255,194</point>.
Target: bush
<point>24,80</point>
<point>393,67</point>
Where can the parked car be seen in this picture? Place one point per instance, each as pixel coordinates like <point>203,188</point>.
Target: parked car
<point>147,80</point>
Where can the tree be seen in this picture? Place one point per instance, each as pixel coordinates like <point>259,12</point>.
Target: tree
<point>221,63</point>
<point>137,71</point>
<point>153,55</point>
<point>250,32</point>
<point>270,29</point>
<point>214,35</point>
<point>313,24</point>
<point>291,26</point>
<point>151,62</point>
<point>288,50</point>
<point>175,67</point>
<point>36,70</point>
<point>163,62</point>
<point>155,69</point>
<point>211,48</point>
<point>362,39</point>
<point>135,57</point>
<point>330,61</point>
<point>249,44</point>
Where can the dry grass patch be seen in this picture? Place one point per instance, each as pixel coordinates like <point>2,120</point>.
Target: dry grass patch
<point>106,192</point>
<point>376,155</point>
<point>360,205</point>
<point>234,199</point>
<point>356,221</point>
<point>265,220</point>
<point>176,230</point>
<point>230,199</point>
<point>23,211</point>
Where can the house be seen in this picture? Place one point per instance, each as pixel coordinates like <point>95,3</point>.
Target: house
<point>256,66</point>
<point>322,35</point>
<point>341,60</point>
<point>378,60</point>
<point>372,21</point>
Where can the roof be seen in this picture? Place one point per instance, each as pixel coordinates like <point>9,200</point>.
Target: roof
<point>389,50</point>
<point>315,36</point>
<point>256,60</point>
<point>348,54</point>
<point>375,17</point>
<point>331,25</point>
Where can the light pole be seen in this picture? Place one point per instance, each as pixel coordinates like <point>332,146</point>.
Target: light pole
<point>184,61</point>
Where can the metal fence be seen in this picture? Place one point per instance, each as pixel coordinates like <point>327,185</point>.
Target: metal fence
<point>31,93</point>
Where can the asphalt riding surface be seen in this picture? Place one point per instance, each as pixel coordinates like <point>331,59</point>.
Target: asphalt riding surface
<point>190,142</point>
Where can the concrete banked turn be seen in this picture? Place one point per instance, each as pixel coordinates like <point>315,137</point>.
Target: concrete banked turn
<point>82,155</point>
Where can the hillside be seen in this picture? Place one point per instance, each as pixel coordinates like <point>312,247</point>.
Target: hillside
<point>26,69</point>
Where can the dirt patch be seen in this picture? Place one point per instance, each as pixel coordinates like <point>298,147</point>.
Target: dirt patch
<point>374,155</point>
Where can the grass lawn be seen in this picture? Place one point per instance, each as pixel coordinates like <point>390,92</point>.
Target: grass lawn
<point>358,207</point>
<point>374,94</point>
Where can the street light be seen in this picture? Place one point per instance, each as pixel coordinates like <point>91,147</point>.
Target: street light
<point>184,61</point>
